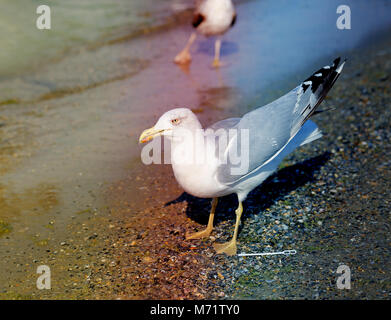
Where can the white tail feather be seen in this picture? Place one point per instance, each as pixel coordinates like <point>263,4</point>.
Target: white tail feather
<point>316,134</point>
<point>309,132</point>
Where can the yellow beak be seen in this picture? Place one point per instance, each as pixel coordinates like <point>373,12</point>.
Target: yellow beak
<point>149,134</point>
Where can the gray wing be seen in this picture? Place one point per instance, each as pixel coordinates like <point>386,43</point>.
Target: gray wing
<point>217,131</point>
<point>272,126</point>
<point>225,124</point>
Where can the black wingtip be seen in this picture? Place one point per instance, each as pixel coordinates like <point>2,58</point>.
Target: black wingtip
<point>320,84</point>
<point>234,20</point>
<point>197,20</point>
<point>336,62</point>
<point>322,75</point>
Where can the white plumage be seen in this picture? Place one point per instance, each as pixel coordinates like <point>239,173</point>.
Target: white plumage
<point>270,133</point>
<point>218,14</point>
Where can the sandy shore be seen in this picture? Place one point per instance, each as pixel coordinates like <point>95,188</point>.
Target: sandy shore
<point>329,201</point>
<point>75,196</point>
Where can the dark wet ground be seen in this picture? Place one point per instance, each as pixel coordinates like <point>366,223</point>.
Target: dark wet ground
<point>329,201</point>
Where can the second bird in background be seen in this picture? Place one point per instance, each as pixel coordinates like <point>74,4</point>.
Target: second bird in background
<point>211,18</point>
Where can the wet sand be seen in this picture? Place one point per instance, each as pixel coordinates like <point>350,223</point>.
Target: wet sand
<point>66,139</point>
<point>329,201</point>
<point>75,196</point>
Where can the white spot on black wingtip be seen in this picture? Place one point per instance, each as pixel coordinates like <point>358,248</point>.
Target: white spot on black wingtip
<point>305,85</point>
<point>319,83</point>
<point>339,69</point>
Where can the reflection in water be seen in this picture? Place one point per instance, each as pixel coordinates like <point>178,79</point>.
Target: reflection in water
<point>74,23</point>
<point>216,97</point>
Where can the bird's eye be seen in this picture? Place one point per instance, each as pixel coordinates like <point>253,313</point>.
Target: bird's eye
<point>175,121</point>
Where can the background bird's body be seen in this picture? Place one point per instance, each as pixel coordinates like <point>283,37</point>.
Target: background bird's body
<point>211,18</point>
<point>217,17</point>
<point>201,158</point>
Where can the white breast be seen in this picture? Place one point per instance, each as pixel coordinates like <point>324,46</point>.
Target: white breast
<point>195,172</point>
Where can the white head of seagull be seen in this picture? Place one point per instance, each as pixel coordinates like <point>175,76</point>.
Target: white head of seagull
<point>172,122</point>
<point>275,130</point>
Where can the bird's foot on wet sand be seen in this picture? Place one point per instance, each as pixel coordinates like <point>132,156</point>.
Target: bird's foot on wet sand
<point>228,248</point>
<point>217,64</point>
<point>183,57</point>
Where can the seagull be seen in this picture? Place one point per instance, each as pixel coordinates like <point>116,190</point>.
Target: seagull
<point>211,18</point>
<point>265,136</point>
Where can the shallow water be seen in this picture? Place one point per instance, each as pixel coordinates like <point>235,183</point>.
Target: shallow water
<point>74,23</point>
<point>278,37</point>
<point>74,100</point>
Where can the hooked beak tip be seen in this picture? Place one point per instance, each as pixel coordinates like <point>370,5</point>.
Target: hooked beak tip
<point>148,135</point>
